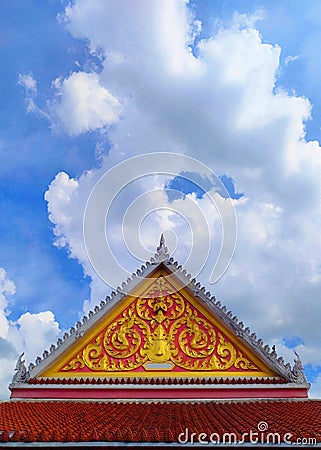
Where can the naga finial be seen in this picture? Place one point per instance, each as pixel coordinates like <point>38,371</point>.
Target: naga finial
<point>297,372</point>
<point>22,374</point>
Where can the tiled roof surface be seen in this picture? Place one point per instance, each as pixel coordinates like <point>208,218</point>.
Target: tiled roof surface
<point>78,421</point>
<point>159,381</point>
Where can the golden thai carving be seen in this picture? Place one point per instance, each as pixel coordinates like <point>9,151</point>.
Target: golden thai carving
<point>160,328</point>
<point>243,363</point>
<point>197,339</point>
<point>76,364</point>
<point>158,347</point>
<point>122,339</point>
<point>158,305</point>
<point>93,355</point>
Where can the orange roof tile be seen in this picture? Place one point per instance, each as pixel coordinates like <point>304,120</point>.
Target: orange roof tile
<point>156,422</point>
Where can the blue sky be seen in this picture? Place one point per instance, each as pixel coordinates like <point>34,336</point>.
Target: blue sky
<point>85,85</point>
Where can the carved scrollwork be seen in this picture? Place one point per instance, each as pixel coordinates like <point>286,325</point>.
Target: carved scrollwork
<point>226,353</point>
<point>76,363</point>
<point>93,356</point>
<point>122,339</point>
<point>197,339</point>
<point>160,328</point>
<point>243,363</point>
<point>160,306</point>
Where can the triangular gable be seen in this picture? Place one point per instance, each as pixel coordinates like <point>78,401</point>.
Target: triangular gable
<point>161,330</point>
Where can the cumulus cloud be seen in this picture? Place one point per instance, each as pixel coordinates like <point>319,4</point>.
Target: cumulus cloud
<point>83,105</point>
<point>20,335</point>
<point>80,104</point>
<point>215,99</point>
<point>60,193</point>
<point>143,201</point>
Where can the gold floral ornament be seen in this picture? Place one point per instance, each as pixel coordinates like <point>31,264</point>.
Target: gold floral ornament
<point>159,305</point>
<point>161,328</point>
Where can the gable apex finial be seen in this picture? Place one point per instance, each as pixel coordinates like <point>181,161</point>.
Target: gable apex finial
<point>162,251</point>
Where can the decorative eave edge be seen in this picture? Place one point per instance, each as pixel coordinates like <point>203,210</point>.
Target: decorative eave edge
<point>293,374</point>
<point>155,386</point>
<point>169,380</point>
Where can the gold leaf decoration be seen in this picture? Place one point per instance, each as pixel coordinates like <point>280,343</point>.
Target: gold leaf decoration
<point>162,327</point>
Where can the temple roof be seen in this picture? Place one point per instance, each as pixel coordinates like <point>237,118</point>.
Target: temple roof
<point>206,321</point>
<point>247,392</point>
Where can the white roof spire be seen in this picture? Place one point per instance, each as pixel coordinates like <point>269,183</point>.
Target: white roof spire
<point>162,251</point>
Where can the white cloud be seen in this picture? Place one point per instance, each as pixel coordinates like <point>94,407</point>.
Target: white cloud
<point>151,30</point>
<point>24,337</point>
<point>8,353</point>
<point>60,193</point>
<point>31,333</point>
<point>82,104</point>
<point>289,59</point>
<point>7,289</point>
<point>28,82</point>
<point>6,373</point>
<point>219,104</point>
<point>315,391</point>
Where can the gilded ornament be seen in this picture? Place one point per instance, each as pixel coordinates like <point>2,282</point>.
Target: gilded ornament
<point>158,346</point>
<point>160,329</point>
